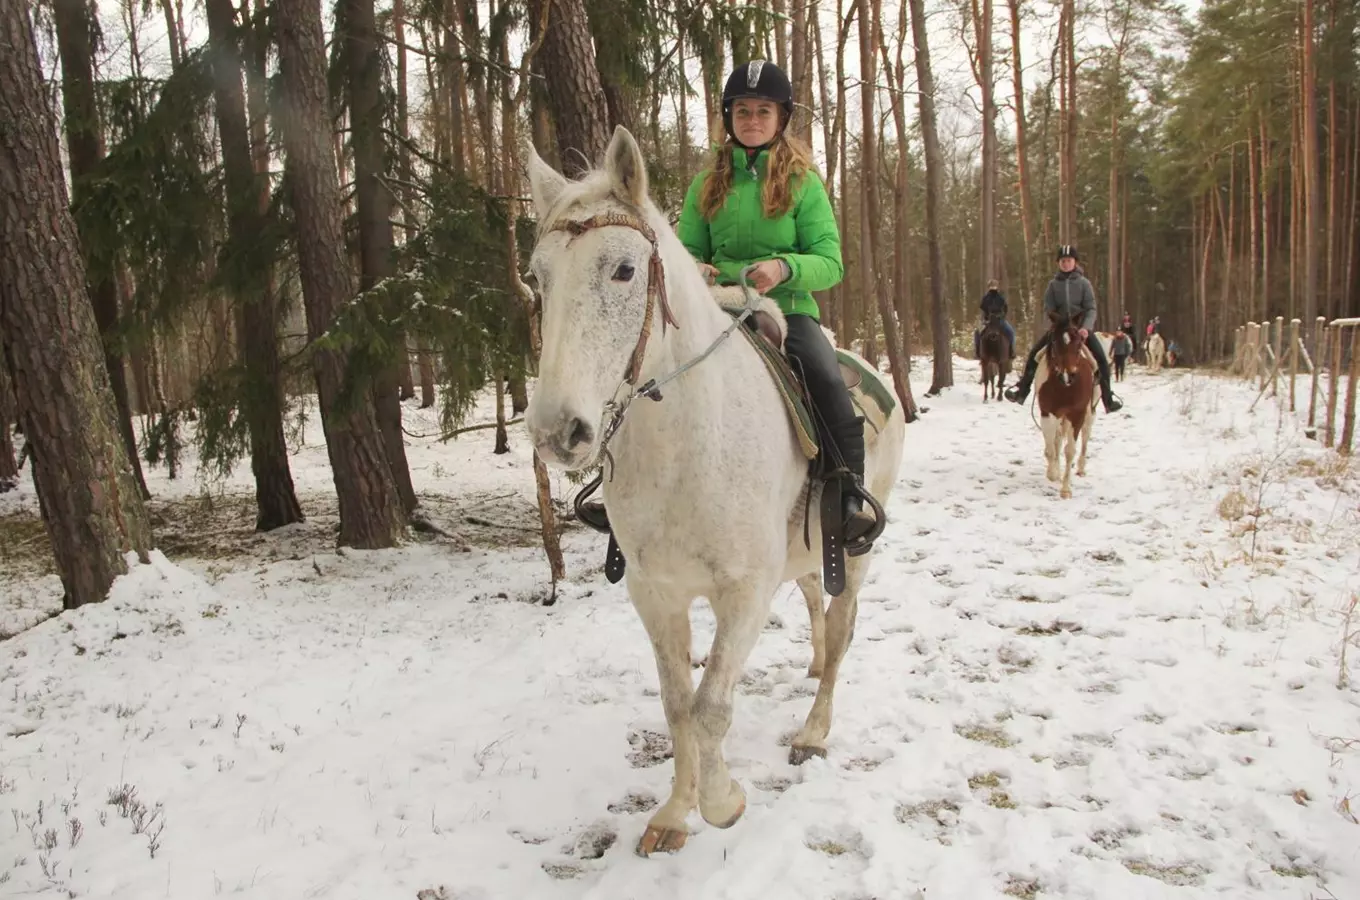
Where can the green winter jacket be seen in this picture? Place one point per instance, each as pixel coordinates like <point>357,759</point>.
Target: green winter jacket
<point>806,238</point>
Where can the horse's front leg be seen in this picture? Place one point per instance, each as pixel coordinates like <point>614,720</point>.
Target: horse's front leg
<point>1052,436</point>
<point>1069,440</point>
<point>1085,440</point>
<point>811,586</point>
<point>741,611</point>
<point>667,622</point>
<point>840,628</point>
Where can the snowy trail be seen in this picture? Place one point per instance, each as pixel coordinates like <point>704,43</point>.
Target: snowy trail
<point>1111,696</point>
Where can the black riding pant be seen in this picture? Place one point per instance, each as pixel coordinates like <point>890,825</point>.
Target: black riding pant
<point>1092,344</point>
<point>816,358</point>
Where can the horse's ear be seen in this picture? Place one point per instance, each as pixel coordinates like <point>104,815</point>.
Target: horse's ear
<point>545,184</point>
<point>627,170</point>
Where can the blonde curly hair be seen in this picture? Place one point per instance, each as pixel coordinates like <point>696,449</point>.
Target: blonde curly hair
<point>789,160</point>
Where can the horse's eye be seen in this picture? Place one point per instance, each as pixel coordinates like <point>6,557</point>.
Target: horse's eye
<point>623,273</point>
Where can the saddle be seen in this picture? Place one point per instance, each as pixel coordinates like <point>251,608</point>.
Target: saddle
<point>868,395</point>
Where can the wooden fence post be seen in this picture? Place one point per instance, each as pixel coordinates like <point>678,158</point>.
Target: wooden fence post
<point>1293,359</point>
<point>1348,429</point>
<point>1319,355</point>
<point>1333,384</point>
<point>1277,346</point>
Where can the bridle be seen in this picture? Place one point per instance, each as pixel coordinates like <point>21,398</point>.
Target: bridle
<point>616,409</point>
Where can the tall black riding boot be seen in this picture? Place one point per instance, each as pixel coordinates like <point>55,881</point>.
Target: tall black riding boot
<point>1018,392</point>
<point>807,344</point>
<point>849,438</point>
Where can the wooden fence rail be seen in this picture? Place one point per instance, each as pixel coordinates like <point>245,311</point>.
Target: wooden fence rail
<point>1263,355</point>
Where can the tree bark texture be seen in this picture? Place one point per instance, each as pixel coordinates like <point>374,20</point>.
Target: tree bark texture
<point>276,501</point>
<point>370,511</point>
<point>575,94</point>
<point>85,146</point>
<point>870,221</point>
<point>91,503</point>
<point>9,463</point>
<point>375,203</point>
<point>943,374</point>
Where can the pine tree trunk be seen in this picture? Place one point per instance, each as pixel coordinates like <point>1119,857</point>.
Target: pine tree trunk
<point>547,516</point>
<point>869,27</point>
<point>85,146</point>
<point>426,358</point>
<point>1253,237</point>
<point>844,307</point>
<point>1022,158</point>
<point>405,377</point>
<point>801,72</point>
<point>371,514</point>
<point>262,399</point>
<point>943,373</point>
<point>902,300</point>
<point>574,90</point>
<point>987,252</point>
<point>363,61</point>
<point>1312,197</point>
<point>49,338</point>
<point>9,464</point>
<point>1265,218</point>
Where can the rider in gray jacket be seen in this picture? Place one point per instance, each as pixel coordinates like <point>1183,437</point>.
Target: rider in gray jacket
<point>1069,294</point>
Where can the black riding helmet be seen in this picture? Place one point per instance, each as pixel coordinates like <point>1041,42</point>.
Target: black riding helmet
<point>1068,250</point>
<point>758,79</point>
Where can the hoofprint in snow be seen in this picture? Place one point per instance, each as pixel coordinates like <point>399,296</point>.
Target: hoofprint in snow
<point>1131,694</point>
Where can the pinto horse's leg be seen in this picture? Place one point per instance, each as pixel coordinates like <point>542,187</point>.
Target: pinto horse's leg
<point>840,628</point>
<point>811,586</point>
<point>741,610</point>
<point>1052,436</point>
<point>667,624</point>
<point>1085,439</point>
<point>1069,440</point>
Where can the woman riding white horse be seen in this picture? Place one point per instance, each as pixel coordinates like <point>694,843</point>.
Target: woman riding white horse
<point>705,480</point>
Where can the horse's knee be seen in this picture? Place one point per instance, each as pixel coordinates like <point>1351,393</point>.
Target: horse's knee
<point>711,715</point>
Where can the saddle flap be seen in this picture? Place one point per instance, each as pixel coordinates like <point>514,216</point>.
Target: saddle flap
<point>853,377</point>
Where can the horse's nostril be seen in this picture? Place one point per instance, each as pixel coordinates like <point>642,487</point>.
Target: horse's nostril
<point>578,432</point>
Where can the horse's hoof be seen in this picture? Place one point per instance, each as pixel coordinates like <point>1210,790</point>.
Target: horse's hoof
<point>1066,494</point>
<point>731,818</point>
<point>799,755</point>
<point>661,840</point>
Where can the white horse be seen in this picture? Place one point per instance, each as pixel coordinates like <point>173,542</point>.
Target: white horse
<point>1156,351</point>
<point>707,487</point>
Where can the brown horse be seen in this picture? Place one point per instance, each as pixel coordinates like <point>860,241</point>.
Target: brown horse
<point>1065,387</point>
<point>994,354</point>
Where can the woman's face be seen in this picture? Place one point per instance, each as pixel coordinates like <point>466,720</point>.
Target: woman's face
<point>1067,264</point>
<point>756,122</point>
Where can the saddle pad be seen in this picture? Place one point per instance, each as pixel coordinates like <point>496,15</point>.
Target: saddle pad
<point>854,371</point>
<point>790,389</point>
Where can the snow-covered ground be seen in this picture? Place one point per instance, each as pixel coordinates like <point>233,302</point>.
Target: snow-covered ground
<point>1131,694</point>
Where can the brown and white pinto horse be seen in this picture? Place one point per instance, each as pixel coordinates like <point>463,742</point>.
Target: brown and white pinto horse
<point>1065,388</point>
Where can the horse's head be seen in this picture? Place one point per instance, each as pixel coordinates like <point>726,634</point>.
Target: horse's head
<point>1064,348</point>
<point>601,285</point>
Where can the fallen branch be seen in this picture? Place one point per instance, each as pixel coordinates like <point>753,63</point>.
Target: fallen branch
<point>444,438</point>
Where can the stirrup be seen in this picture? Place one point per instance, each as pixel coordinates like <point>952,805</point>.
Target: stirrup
<point>593,515</point>
<point>862,544</point>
